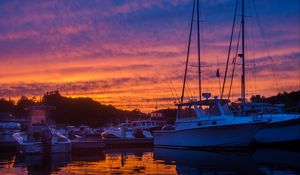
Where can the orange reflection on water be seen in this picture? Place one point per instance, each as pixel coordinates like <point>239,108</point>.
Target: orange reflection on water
<point>120,163</point>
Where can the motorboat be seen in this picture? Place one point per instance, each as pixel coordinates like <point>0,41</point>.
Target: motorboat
<point>40,138</point>
<point>207,123</point>
<point>84,137</point>
<point>6,131</point>
<point>128,130</point>
<point>36,142</point>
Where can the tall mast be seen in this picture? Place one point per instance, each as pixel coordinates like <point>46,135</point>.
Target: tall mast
<point>243,93</point>
<point>188,54</point>
<point>199,67</point>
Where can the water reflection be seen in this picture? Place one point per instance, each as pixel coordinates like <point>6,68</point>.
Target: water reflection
<point>157,161</point>
<point>276,161</point>
<point>203,162</point>
<point>42,164</point>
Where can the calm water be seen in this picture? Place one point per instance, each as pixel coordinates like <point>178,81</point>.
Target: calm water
<point>154,161</point>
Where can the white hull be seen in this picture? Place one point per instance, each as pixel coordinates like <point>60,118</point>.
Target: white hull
<point>279,132</point>
<point>124,134</point>
<point>36,147</point>
<point>217,136</point>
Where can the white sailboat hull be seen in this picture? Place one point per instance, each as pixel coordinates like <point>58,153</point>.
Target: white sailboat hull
<point>279,132</point>
<point>218,136</point>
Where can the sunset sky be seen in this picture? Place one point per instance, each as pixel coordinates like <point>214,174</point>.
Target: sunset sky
<point>131,53</point>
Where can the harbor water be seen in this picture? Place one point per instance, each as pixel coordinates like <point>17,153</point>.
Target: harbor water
<point>154,161</point>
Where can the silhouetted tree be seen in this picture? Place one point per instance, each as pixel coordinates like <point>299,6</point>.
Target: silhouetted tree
<point>23,104</point>
<point>170,114</point>
<point>257,98</point>
<point>77,111</point>
<point>7,106</point>
<point>290,100</point>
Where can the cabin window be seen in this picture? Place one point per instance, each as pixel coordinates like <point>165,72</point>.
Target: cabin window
<point>214,122</point>
<point>187,112</point>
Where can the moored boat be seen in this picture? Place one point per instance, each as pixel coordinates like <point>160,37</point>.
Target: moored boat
<point>128,130</point>
<point>279,128</point>
<point>40,138</point>
<point>207,124</point>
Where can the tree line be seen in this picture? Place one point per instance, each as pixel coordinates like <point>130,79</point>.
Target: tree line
<point>71,111</point>
<point>290,100</point>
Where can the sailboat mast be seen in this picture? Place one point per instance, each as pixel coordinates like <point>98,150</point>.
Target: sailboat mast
<point>199,63</point>
<point>188,54</point>
<point>243,86</point>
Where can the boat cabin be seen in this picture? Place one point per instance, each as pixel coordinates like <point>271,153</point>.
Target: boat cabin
<point>38,121</point>
<point>203,108</point>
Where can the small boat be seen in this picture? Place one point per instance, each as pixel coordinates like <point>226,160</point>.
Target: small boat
<point>40,138</point>
<point>135,129</point>
<point>42,142</point>
<point>6,131</point>
<point>85,137</point>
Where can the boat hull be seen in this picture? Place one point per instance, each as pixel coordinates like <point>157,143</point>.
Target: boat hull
<point>279,132</point>
<point>221,136</point>
<point>37,147</point>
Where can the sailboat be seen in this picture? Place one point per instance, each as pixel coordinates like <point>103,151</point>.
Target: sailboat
<point>279,127</point>
<point>209,122</point>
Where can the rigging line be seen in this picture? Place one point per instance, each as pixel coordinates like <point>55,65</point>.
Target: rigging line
<point>173,96</point>
<point>188,53</point>
<point>218,76</point>
<point>229,49</point>
<point>190,95</point>
<point>234,61</point>
<point>262,32</point>
<point>177,96</point>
